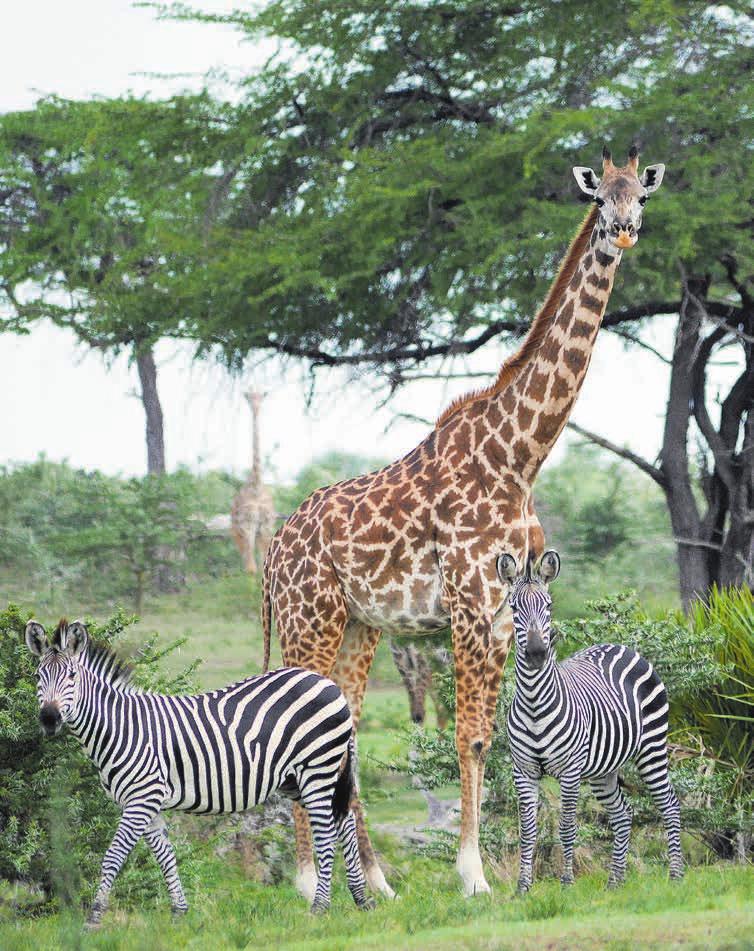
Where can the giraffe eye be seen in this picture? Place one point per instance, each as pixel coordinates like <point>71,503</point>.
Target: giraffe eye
<point>643,200</point>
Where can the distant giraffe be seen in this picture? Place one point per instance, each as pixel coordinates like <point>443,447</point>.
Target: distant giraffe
<point>413,547</point>
<point>417,666</point>
<point>252,515</point>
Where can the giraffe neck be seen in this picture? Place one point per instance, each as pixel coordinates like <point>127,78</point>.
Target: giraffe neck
<point>537,402</point>
<point>256,455</point>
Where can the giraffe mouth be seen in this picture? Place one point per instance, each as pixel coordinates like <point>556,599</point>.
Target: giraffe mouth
<point>624,240</point>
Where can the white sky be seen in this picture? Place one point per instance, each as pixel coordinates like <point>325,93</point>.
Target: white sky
<point>60,399</point>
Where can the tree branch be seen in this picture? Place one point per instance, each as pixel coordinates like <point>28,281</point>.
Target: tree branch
<point>652,471</point>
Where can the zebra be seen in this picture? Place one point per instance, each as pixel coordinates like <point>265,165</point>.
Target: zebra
<point>223,751</point>
<point>582,719</point>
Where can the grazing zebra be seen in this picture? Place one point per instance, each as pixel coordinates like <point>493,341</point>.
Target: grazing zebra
<point>222,751</point>
<point>582,719</point>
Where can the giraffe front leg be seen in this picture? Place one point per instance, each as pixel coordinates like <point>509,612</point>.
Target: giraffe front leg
<point>157,839</point>
<point>497,655</point>
<point>470,647</point>
<point>133,824</point>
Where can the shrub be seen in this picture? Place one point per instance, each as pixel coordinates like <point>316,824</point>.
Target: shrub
<point>55,820</point>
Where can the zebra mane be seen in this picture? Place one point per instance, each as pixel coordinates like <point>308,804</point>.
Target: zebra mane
<point>104,663</point>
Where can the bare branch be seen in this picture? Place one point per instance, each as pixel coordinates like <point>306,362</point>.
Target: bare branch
<point>652,471</point>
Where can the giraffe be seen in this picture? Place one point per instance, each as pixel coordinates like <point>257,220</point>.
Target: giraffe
<point>252,515</point>
<point>416,666</point>
<point>412,548</point>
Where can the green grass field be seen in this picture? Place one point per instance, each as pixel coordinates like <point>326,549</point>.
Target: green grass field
<point>712,908</point>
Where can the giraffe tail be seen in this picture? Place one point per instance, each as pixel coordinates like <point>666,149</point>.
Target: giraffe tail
<point>266,616</point>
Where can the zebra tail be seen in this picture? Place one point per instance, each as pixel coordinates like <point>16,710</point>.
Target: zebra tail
<point>344,786</point>
<point>266,617</point>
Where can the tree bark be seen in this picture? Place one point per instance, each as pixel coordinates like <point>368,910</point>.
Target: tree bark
<point>152,409</point>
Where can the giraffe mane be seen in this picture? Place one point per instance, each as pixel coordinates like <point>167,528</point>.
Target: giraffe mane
<point>539,326</point>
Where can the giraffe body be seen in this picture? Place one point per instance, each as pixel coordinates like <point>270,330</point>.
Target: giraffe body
<point>413,547</point>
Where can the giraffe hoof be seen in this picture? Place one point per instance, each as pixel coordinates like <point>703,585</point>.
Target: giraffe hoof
<point>306,882</point>
<point>478,887</point>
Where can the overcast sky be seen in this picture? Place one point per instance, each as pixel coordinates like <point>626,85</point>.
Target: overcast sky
<point>57,398</point>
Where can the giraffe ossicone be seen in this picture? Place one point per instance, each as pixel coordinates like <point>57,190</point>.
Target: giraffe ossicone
<point>414,547</point>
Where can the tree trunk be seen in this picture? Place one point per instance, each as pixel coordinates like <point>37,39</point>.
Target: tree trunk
<point>693,568</point>
<point>152,409</point>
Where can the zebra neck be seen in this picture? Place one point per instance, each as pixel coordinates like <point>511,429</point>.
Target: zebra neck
<point>536,689</point>
<point>100,709</point>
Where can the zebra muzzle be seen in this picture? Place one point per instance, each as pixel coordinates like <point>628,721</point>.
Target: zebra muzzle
<point>536,650</point>
<point>50,718</point>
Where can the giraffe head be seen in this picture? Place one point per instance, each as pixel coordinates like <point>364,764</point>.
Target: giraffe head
<point>59,672</point>
<point>531,604</point>
<point>621,194</point>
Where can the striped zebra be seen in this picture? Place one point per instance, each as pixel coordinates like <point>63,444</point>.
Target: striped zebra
<point>218,752</point>
<point>582,719</point>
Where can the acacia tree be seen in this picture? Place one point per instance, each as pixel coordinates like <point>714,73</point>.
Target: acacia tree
<point>403,193</point>
<point>98,203</point>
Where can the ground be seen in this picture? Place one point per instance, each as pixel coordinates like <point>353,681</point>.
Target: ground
<point>712,908</point>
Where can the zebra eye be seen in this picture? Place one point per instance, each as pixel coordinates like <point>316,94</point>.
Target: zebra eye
<point>71,674</point>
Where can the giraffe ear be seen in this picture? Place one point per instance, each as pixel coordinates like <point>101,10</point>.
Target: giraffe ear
<point>76,638</point>
<point>549,566</point>
<point>36,639</point>
<point>587,179</point>
<point>507,568</point>
<point>651,177</point>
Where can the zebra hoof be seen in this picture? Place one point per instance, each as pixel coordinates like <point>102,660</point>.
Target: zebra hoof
<point>566,880</point>
<point>369,904</point>
<point>178,911</point>
<point>319,908</point>
<point>614,882</point>
<point>522,889</point>
<point>92,924</point>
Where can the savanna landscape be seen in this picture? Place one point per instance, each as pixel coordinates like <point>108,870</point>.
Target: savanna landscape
<point>368,214</point>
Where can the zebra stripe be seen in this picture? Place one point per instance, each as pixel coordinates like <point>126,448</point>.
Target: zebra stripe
<point>223,751</point>
<point>584,718</point>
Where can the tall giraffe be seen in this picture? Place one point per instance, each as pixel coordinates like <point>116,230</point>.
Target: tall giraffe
<point>252,515</point>
<point>413,547</point>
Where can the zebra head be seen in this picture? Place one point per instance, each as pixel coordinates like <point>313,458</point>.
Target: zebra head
<point>531,604</point>
<point>59,672</point>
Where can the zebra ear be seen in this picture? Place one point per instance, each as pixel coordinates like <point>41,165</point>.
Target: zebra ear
<point>36,639</point>
<point>76,638</point>
<point>507,568</point>
<point>549,566</point>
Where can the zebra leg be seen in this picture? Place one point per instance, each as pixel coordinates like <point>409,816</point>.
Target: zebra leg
<point>569,797</point>
<point>356,882</point>
<point>610,795</point>
<point>158,841</point>
<point>652,764</point>
<point>133,824</point>
<point>528,802</point>
<point>325,837</point>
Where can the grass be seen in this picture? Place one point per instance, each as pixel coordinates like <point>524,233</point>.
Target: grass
<point>711,908</point>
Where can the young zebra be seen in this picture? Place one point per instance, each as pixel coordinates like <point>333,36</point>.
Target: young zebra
<point>582,719</point>
<point>217,752</point>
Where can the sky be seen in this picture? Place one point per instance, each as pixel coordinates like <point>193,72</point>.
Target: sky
<point>59,399</point>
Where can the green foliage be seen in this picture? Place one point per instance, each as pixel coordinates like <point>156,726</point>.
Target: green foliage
<point>55,821</point>
<point>103,539</point>
<point>610,524</point>
<point>401,172</point>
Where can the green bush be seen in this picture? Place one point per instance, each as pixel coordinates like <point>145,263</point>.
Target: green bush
<point>55,820</point>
